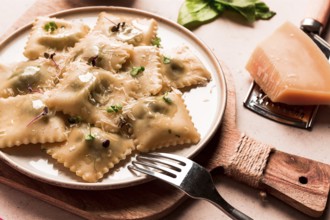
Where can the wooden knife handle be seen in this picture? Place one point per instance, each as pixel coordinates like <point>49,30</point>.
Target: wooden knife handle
<point>300,182</point>
<point>319,10</point>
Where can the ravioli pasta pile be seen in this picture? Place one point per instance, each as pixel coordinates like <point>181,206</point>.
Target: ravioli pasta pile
<point>92,96</point>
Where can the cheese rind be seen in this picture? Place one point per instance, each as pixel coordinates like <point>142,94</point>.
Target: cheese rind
<point>290,68</point>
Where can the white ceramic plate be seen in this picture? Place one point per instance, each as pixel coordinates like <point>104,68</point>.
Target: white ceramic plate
<point>206,104</point>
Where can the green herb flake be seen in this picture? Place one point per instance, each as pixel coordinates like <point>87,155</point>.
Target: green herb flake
<point>167,99</point>
<point>156,41</point>
<point>166,60</point>
<point>136,70</point>
<point>194,13</point>
<point>50,26</point>
<point>114,108</point>
<point>89,137</point>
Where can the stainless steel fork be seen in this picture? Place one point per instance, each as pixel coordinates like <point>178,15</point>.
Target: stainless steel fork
<point>187,176</point>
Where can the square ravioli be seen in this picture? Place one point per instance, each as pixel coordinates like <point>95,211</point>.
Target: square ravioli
<point>181,68</point>
<point>30,77</point>
<point>88,92</point>
<point>135,31</point>
<point>99,50</point>
<point>26,119</point>
<point>144,67</point>
<point>53,35</point>
<point>161,121</point>
<point>90,152</point>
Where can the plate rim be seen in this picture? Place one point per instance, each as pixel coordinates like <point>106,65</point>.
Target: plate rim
<point>139,179</point>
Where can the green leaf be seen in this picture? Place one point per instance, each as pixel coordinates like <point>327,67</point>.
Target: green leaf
<point>263,12</point>
<point>251,9</point>
<point>89,137</point>
<point>166,60</point>
<point>50,26</point>
<point>196,12</point>
<point>136,70</point>
<point>244,7</point>
<point>167,99</point>
<point>218,7</point>
<point>156,41</point>
<point>114,108</point>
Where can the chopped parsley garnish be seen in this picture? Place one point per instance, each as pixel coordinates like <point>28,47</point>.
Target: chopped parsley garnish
<point>166,60</point>
<point>167,99</point>
<point>106,143</point>
<point>44,112</point>
<point>89,137</point>
<point>114,108</point>
<point>136,70</point>
<point>50,26</point>
<point>156,41</point>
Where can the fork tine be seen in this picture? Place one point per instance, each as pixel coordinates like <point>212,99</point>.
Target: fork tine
<point>156,168</point>
<point>140,169</point>
<point>178,159</point>
<point>161,160</point>
<point>138,166</point>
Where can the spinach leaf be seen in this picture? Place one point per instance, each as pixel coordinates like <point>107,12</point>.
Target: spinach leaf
<point>194,13</point>
<point>263,12</point>
<point>244,7</point>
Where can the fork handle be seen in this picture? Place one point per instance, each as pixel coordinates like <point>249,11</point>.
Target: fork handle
<point>216,199</point>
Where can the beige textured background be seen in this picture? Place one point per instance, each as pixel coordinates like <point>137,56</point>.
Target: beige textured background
<point>232,41</point>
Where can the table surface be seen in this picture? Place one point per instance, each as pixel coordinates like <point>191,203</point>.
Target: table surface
<point>232,41</point>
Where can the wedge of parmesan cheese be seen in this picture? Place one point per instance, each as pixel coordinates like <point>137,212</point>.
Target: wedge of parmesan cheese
<point>290,68</point>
